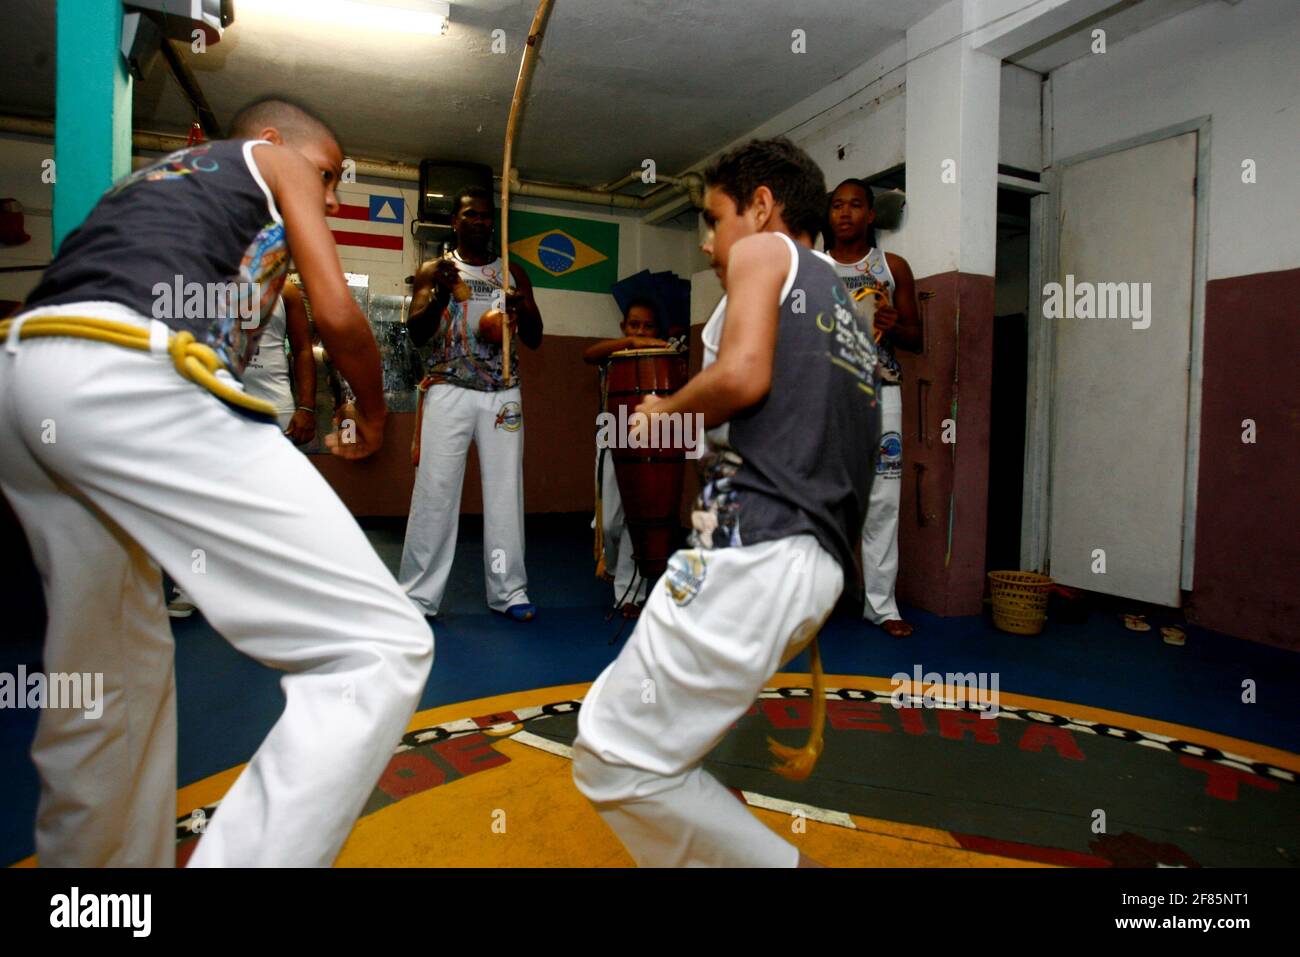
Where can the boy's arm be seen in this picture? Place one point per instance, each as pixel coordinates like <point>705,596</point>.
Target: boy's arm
<point>300,195</point>
<point>303,426</point>
<point>742,374</point>
<point>907,331</point>
<point>600,351</point>
<point>430,295</point>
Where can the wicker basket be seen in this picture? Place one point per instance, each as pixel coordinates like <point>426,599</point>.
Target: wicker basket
<point>1019,601</point>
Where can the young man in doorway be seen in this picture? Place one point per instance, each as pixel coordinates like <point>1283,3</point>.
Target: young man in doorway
<point>864,266</point>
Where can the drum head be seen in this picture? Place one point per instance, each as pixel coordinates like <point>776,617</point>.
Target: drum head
<point>644,353</point>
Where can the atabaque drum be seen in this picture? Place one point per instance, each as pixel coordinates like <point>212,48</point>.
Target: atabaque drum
<point>649,477</point>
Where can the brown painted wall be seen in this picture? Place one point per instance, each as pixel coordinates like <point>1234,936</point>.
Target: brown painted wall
<point>947,480</point>
<point>1248,511</point>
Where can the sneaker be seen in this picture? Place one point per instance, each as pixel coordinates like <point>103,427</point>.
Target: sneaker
<point>526,611</point>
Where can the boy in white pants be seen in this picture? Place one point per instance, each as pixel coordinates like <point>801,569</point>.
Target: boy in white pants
<point>787,391</point>
<point>119,464</point>
<point>867,270</point>
<point>267,377</point>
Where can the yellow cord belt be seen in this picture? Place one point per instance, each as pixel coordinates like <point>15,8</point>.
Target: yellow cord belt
<point>193,359</point>
<point>602,570</point>
<point>797,763</point>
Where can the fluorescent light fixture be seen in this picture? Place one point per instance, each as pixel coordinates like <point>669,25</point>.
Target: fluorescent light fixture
<point>426,16</point>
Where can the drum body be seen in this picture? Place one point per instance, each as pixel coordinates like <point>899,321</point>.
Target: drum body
<point>649,479</point>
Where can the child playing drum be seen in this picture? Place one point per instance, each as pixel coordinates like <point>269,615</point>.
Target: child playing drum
<point>639,325</point>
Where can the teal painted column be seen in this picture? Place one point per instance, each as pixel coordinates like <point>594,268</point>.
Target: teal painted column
<point>92,109</point>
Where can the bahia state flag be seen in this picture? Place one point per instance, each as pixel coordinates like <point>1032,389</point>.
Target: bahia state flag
<point>560,252</point>
<point>371,224</point>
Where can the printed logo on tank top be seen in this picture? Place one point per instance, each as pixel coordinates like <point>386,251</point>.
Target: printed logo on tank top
<point>262,272</point>
<point>173,166</point>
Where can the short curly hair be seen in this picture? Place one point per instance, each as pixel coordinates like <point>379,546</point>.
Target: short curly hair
<point>796,182</point>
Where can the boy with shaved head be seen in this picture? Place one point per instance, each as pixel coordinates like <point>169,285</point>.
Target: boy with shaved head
<point>149,468</point>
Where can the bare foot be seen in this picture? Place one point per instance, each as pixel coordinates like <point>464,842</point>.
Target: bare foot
<point>897,628</point>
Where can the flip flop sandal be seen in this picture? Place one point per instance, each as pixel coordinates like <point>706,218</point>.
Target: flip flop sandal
<point>1136,622</point>
<point>1174,636</point>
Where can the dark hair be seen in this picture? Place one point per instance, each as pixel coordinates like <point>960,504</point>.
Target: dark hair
<point>471,192</point>
<point>295,122</point>
<point>795,180</point>
<point>644,303</point>
<point>828,234</point>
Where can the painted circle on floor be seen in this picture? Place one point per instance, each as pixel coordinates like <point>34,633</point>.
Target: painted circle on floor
<point>926,776</point>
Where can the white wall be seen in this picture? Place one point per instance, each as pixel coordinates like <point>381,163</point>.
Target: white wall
<point>953,105</point>
<point>706,290</point>
<point>20,178</point>
<point>863,113</point>
<point>657,248</point>
<point>565,313</point>
<point>1020,119</point>
<point>857,126</point>
<point>872,138</point>
<point>1236,64</point>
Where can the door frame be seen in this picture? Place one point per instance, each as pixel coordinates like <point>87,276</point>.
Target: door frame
<point>1045,261</point>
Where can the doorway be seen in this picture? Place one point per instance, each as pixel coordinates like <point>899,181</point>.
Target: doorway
<point>1010,374</point>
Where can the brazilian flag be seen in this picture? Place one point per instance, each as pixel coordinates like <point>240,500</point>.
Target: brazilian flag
<point>560,252</point>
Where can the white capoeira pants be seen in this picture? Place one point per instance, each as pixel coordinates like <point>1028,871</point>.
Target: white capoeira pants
<point>115,465</point>
<point>880,530</point>
<point>283,418</point>
<point>717,626</point>
<point>493,421</point>
<point>618,538</point>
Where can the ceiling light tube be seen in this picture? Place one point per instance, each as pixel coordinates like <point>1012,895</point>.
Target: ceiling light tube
<point>431,18</point>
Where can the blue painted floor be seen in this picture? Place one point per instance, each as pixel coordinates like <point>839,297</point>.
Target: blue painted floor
<point>228,702</point>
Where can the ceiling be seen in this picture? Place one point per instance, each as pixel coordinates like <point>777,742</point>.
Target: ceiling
<point>617,82</point>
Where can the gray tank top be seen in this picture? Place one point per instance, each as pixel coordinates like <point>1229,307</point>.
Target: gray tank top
<point>801,461</point>
<point>194,240</point>
<point>267,374</point>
